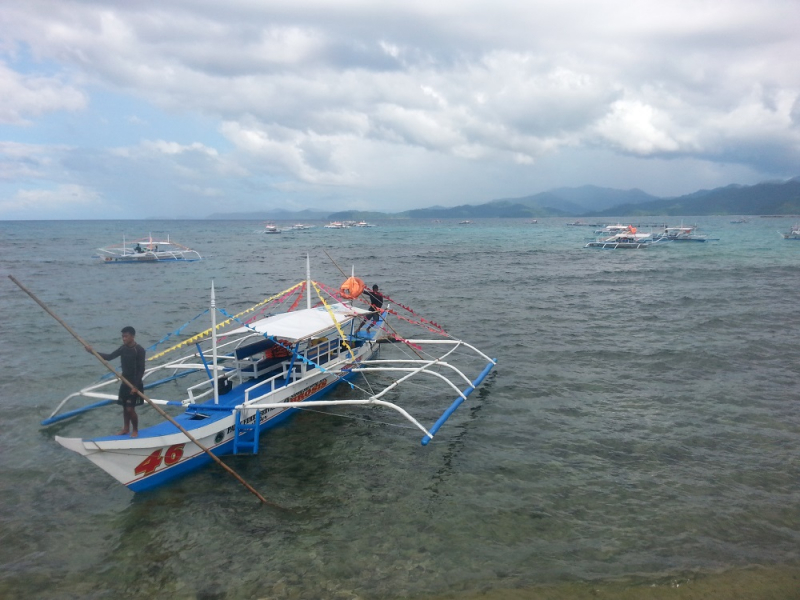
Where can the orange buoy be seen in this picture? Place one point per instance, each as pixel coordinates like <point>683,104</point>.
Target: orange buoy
<point>352,288</point>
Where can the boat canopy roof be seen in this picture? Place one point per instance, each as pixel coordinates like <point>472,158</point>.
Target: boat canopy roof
<point>302,324</point>
<point>629,235</point>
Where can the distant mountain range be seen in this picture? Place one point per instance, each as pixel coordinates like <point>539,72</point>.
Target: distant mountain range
<point>767,198</point>
<point>277,214</point>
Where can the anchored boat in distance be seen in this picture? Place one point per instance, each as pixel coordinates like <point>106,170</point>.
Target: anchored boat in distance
<point>147,250</point>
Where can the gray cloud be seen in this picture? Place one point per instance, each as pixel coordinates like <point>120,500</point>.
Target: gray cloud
<point>316,97</point>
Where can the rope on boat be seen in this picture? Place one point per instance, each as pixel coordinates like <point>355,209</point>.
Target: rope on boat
<point>176,332</point>
<point>424,323</point>
<point>207,332</point>
<point>335,320</point>
<point>288,295</point>
<point>422,320</point>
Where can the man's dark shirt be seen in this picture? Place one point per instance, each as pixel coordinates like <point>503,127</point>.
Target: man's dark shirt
<point>132,360</point>
<point>375,299</point>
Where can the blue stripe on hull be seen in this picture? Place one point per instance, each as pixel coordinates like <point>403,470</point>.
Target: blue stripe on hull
<point>199,460</point>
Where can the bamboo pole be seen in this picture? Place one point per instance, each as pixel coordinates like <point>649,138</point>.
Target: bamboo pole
<point>144,397</point>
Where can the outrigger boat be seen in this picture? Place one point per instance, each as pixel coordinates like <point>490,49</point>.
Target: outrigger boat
<point>683,234</point>
<point>629,239</point>
<point>271,228</point>
<point>612,229</point>
<point>147,250</point>
<point>794,233</point>
<point>253,370</point>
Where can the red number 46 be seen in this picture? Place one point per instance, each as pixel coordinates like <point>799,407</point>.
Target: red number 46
<point>152,462</point>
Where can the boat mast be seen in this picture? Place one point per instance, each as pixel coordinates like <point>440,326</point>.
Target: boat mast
<point>308,282</point>
<point>214,343</point>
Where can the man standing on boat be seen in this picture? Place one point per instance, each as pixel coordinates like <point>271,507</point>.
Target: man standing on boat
<point>132,357</point>
<point>375,303</point>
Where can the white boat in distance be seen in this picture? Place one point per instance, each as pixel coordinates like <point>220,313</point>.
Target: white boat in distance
<point>630,239</point>
<point>793,234</point>
<point>271,228</point>
<point>336,225</point>
<point>683,234</point>
<point>147,250</point>
<point>253,370</point>
<point>612,229</point>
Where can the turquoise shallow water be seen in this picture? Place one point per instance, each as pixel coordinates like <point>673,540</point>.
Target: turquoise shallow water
<point>642,422</point>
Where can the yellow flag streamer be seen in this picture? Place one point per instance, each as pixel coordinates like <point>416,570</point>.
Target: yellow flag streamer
<point>207,332</point>
<point>335,320</point>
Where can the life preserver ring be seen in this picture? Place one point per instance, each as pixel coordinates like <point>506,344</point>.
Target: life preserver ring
<point>352,288</point>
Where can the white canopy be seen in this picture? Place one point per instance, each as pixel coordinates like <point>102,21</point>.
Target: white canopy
<point>301,324</point>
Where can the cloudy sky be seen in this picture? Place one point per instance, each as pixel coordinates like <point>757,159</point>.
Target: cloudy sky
<point>183,108</point>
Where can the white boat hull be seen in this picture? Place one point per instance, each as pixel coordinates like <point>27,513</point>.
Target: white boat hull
<point>150,460</point>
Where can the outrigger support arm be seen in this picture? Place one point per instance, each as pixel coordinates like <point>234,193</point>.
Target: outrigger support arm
<point>446,414</point>
<point>374,400</point>
<point>73,413</point>
<point>370,401</point>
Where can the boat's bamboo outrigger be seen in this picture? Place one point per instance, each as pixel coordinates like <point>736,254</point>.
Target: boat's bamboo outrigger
<point>261,371</point>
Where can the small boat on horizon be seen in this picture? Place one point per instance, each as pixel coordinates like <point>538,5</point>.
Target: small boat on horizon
<point>271,228</point>
<point>629,239</point>
<point>793,233</point>
<point>683,233</point>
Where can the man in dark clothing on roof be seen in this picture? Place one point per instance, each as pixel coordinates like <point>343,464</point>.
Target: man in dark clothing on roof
<point>132,357</point>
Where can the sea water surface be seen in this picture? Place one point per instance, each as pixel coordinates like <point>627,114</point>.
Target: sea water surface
<point>642,423</point>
